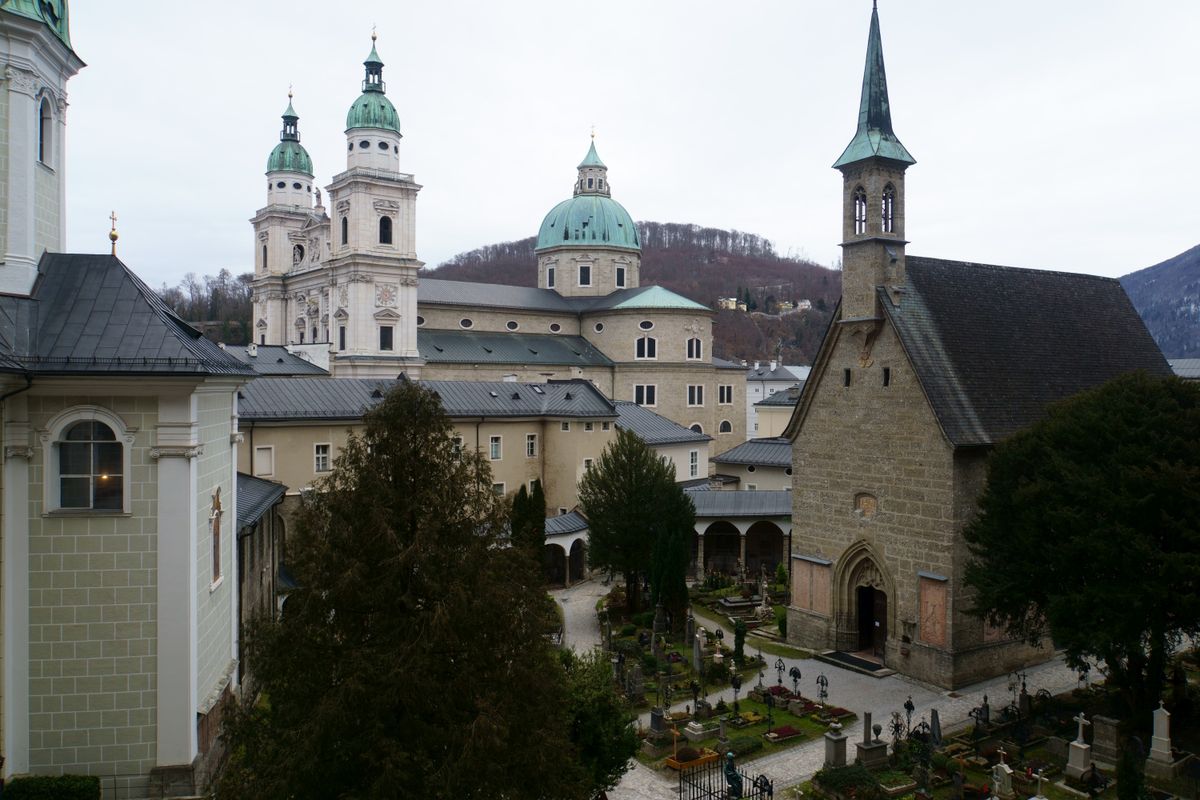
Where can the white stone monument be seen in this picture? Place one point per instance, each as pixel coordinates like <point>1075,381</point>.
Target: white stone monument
<point>1079,755</point>
<point>1002,781</point>
<point>1039,795</point>
<point>1160,743</point>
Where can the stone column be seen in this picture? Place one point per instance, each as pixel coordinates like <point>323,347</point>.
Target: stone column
<point>566,566</point>
<point>20,260</point>
<point>742,542</point>
<point>700,555</point>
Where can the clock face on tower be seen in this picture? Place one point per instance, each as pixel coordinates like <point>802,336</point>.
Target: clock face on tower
<point>385,295</point>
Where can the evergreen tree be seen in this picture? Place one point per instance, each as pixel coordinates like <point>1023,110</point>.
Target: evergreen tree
<point>528,522</point>
<point>600,726</point>
<point>411,661</point>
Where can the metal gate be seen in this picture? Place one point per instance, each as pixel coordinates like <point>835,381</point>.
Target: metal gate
<point>719,780</point>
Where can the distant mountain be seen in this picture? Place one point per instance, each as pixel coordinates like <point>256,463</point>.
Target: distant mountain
<point>1167,296</point>
<point>701,264</point>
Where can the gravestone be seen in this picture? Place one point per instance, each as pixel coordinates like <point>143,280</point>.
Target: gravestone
<point>1160,743</point>
<point>872,753</point>
<point>698,651</point>
<point>835,746</point>
<point>722,739</point>
<point>935,728</point>
<point>1079,756</point>
<point>1039,795</point>
<point>704,709</point>
<point>694,732</point>
<point>1025,703</point>
<point>1105,744</point>
<point>1002,781</point>
<point>657,721</point>
<point>637,682</point>
<point>660,619</point>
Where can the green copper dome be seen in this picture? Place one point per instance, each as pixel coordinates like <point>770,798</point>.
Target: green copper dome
<point>289,156</point>
<point>51,12</point>
<point>589,220</point>
<point>373,110</point>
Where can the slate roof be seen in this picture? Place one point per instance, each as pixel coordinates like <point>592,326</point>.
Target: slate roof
<point>648,297</point>
<point>571,522</point>
<point>742,504</point>
<point>286,399</point>
<point>780,373</point>
<point>479,347</point>
<point>491,295</point>
<point>255,497</point>
<point>273,359</point>
<point>767,452</point>
<point>721,363</point>
<point>993,346</point>
<point>784,397</point>
<point>1186,368</point>
<point>654,429</point>
<point>89,314</point>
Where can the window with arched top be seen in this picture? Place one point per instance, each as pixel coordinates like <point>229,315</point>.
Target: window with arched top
<point>696,428</point>
<point>695,349</point>
<point>726,426</point>
<point>45,127</point>
<point>646,348</point>
<point>345,230</point>
<point>888,210</point>
<point>87,451</point>
<point>860,210</point>
<point>385,230</point>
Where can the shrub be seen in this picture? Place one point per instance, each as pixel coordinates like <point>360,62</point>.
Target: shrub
<point>685,754</point>
<point>716,673</point>
<point>844,779</point>
<point>742,745</point>
<point>53,787</point>
<point>781,575</point>
<point>781,621</point>
<point>628,629</point>
<point>644,619</point>
<point>650,664</point>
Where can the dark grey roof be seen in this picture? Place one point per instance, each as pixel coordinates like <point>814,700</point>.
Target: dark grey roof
<point>785,397</point>
<point>742,504</point>
<point>772,452</point>
<point>90,314</point>
<point>780,373</point>
<point>479,347</point>
<point>1186,368</point>
<point>491,295</point>
<point>993,346</point>
<point>283,399</point>
<point>273,359</point>
<point>571,522</point>
<point>721,363</point>
<point>255,497</point>
<point>576,398</point>
<point>654,429</point>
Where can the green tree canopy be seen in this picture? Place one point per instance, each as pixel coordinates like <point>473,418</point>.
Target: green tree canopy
<point>600,723</point>
<point>639,520</point>
<point>412,660</point>
<point>1089,531</point>
<point>529,521</point>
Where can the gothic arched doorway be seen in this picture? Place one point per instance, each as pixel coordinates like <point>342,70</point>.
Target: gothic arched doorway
<point>872,620</point>
<point>861,599</point>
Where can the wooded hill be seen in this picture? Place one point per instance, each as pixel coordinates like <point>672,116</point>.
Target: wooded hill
<point>701,264</point>
<point>1167,296</point>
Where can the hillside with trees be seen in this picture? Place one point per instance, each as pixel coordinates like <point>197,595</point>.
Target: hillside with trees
<point>217,305</point>
<point>701,264</point>
<point>1167,296</point>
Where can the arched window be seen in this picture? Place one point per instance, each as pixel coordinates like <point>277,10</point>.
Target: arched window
<point>647,347</point>
<point>385,230</point>
<point>860,210</point>
<point>87,452</point>
<point>264,261</point>
<point>726,426</point>
<point>695,349</point>
<point>45,121</point>
<point>889,209</point>
<point>345,229</point>
<point>697,428</point>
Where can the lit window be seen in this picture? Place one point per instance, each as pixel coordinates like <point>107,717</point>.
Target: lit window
<point>644,394</point>
<point>494,448</point>
<point>321,457</point>
<point>91,468</point>
<point>531,445</point>
<point>646,348</point>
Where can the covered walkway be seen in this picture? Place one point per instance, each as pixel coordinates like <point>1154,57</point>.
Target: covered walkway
<point>741,533</point>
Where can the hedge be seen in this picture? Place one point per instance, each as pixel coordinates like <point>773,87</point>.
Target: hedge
<point>53,787</point>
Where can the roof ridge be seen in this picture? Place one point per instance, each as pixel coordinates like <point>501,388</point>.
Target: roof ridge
<point>1032,270</point>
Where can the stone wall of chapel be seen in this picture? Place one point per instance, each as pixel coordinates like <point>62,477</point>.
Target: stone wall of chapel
<point>441,317</point>
<point>93,671</point>
<point>3,173</point>
<point>604,263</point>
<point>866,438</point>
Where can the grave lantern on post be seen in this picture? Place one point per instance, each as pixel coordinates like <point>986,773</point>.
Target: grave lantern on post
<point>794,672</point>
<point>779,668</point>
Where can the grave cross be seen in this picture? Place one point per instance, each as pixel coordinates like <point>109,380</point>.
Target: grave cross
<point>1082,720</point>
<point>1039,777</point>
<point>1000,752</point>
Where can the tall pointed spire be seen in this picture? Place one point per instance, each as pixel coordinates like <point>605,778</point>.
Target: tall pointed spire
<point>875,136</point>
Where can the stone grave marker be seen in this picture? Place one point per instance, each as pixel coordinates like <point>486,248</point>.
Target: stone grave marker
<point>872,753</point>
<point>1079,756</point>
<point>835,746</point>
<point>1105,744</point>
<point>1002,781</point>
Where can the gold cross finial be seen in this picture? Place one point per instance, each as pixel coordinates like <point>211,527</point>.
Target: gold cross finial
<point>289,91</point>
<point>373,36</point>
<point>112,235</point>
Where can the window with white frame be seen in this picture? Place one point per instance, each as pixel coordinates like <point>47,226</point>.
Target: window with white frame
<point>531,445</point>
<point>498,488</point>
<point>645,394</point>
<point>695,395</point>
<point>585,274</point>
<point>565,427</point>
<point>695,349</point>
<point>91,462</point>
<point>751,487</point>
<point>264,461</point>
<point>646,347</point>
<point>321,461</point>
<point>386,337</point>
<point>494,448</point>
<point>456,445</point>
<point>587,464</point>
<point>725,394</point>
<point>550,277</point>
<point>694,463</point>
<point>604,426</point>
<point>620,277</point>
<point>696,427</point>
<point>588,427</point>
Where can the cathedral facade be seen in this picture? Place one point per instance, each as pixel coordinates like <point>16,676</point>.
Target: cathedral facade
<point>337,275</point>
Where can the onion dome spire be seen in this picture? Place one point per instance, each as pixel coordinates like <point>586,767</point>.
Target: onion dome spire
<point>373,79</point>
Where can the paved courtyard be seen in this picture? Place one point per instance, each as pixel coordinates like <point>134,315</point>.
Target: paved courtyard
<point>859,693</point>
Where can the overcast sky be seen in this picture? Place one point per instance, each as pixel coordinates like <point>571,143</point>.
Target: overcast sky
<point>1054,135</point>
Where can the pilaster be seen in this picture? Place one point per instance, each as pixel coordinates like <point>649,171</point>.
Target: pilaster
<point>17,456</point>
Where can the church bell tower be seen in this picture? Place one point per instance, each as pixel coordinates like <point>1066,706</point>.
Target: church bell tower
<point>872,167</point>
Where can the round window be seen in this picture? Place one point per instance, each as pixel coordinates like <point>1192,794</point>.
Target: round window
<point>511,325</point>
<point>383,145</point>
<point>466,322</point>
<point>751,468</point>
<point>645,324</point>
<point>555,327</point>
<point>364,144</point>
<point>787,471</point>
<point>280,185</point>
<point>599,327</point>
<point>420,321</point>
<point>297,185</point>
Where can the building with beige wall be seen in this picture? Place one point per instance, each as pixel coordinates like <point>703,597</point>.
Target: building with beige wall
<point>763,465</point>
<point>345,280</point>
<point>927,365</point>
<point>773,414</point>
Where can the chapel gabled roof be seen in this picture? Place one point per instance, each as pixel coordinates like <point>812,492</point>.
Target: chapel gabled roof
<point>994,346</point>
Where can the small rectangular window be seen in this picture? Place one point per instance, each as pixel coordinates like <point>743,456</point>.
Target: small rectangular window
<point>751,487</point>
<point>694,463</point>
<point>301,337</point>
<point>561,510</point>
<point>645,394</point>
<point>887,376</point>
<point>321,458</point>
<point>550,277</point>
<point>620,277</point>
<point>587,464</point>
<point>264,461</point>
<point>386,337</point>
<point>494,449</point>
<point>498,488</point>
<point>341,337</point>
<point>531,445</point>
<point>566,426</point>
<point>604,426</point>
<point>585,274</point>
<point>846,377</point>
<point>588,427</point>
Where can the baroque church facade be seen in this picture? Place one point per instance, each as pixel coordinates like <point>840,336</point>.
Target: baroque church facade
<point>338,277</point>
<point>926,365</point>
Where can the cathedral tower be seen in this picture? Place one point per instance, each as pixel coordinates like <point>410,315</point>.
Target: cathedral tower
<point>36,60</point>
<point>872,167</point>
<point>588,245</point>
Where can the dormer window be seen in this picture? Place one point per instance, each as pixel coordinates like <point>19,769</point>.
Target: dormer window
<point>860,210</point>
<point>589,183</point>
